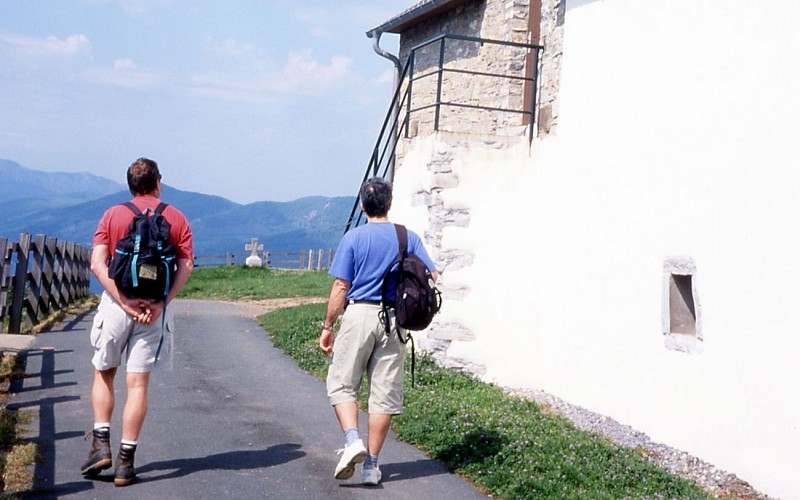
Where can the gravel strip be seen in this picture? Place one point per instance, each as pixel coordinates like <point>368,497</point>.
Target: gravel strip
<point>719,483</point>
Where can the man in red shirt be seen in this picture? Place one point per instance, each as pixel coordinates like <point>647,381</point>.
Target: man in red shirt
<point>130,327</point>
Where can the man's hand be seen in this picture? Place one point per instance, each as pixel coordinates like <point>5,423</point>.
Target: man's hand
<point>326,341</point>
<point>147,311</point>
<point>139,309</point>
<point>156,308</point>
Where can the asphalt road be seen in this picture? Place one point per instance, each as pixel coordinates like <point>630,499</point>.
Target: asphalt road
<point>235,419</point>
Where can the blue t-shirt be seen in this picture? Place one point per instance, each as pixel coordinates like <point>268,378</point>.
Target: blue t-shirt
<point>364,254</point>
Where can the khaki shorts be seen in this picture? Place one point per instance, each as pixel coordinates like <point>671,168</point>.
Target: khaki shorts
<point>115,333</point>
<point>362,344</point>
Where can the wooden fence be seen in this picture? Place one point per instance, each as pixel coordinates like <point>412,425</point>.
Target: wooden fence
<point>38,276</point>
<point>308,260</point>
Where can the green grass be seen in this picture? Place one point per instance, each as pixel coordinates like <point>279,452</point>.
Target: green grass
<point>295,331</point>
<point>16,453</point>
<point>255,283</point>
<point>507,446</point>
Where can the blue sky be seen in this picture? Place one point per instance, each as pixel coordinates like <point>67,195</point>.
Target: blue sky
<point>251,100</point>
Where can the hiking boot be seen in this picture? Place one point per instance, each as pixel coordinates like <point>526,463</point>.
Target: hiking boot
<point>99,454</point>
<point>125,473</point>
<point>352,454</point>
<point>371,476</point>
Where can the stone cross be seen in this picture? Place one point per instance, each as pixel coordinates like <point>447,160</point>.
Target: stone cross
<point>253,260</point>
<point>254,246</point>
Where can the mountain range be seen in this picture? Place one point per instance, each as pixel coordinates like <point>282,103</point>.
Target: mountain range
<point>68,206</point>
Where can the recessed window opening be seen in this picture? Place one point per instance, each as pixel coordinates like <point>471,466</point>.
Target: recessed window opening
<point>681,313</point>
<point>682,317</point>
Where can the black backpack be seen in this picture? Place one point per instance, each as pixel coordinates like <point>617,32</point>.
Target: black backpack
<point>417,299</point>
<point>143,264</point>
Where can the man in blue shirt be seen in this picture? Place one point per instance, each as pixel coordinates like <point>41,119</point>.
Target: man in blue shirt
<point>362,343</point>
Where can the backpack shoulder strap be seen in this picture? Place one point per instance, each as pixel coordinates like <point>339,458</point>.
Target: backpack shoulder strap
<point>402,240</point>
<point>133,208</point>
<point>402,250</point>
<point>160,208</point>
<point>401,246</point>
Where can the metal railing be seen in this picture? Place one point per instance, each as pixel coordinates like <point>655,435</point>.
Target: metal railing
<point>423,63</point>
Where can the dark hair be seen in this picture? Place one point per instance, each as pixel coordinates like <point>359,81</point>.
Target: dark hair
<point>376,196</point>
<point>143,176</point>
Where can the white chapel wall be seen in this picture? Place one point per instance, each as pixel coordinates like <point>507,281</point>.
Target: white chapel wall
<point>677,139</point>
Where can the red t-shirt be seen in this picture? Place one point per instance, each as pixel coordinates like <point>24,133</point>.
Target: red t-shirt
<point>113,226</point>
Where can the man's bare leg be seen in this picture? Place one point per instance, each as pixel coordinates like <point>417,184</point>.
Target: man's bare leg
<point>135,405</point>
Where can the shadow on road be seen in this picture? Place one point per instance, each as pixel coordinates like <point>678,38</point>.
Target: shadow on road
<point>232,460</point>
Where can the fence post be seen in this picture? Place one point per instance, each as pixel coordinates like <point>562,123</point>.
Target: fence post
<point>86,270</point>
<point>228,259</point>
<point>18,289</point>
<point>319,260</point>
<point>38,298</point>
<point>266,258</point>
<point>310,258</point>
<point>5,263</point>
<point>70,270</point>
<point>49,273</point>
<point>60,273</point>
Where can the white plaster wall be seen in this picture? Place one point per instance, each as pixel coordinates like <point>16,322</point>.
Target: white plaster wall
<point>678,131</point>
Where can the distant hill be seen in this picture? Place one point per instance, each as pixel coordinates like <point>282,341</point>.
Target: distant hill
<point>219,225</point>
<point>61,188</point>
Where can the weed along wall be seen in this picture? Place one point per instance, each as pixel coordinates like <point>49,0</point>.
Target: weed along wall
<point>642,260</point>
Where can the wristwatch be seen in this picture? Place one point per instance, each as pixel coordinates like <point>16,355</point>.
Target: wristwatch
<point>327,327</point>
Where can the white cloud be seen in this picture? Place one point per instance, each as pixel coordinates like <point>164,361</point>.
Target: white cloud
<point>302,71</point>
<point>125,73</point>
<point>51,47</point>
<point>124,64</point>
<point>301,75</point>
<point>229,48</point>
<point>386,77</point>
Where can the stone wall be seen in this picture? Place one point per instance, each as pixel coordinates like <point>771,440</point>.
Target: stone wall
<point>429,178</point>
<point>552,37</point>
<point>504,20</point>
<point>431,158</point>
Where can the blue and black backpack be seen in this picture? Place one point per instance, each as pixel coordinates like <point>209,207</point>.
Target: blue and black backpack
<point>143,264</point>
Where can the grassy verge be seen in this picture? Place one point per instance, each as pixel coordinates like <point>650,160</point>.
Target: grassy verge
<point>255,283</point>
<point>507,446</point>
<point>16,454</point>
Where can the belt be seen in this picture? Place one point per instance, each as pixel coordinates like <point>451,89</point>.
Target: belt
<point>369,302</point>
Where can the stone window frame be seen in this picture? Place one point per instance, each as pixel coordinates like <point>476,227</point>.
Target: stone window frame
<point>680,306</point>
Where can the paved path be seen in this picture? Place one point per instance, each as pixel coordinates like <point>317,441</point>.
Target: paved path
<point>235,419</point>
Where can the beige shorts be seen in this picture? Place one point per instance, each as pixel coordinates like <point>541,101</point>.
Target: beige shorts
<point>362,345</point>
<point>114,333</point>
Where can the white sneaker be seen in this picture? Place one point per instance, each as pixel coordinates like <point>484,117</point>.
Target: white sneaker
<point>371,476</point>
<point>352,454</point>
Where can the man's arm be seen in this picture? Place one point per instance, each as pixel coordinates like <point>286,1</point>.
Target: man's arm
<point>99,263</point>
<point>336,303</point>
<point>182,273</point>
